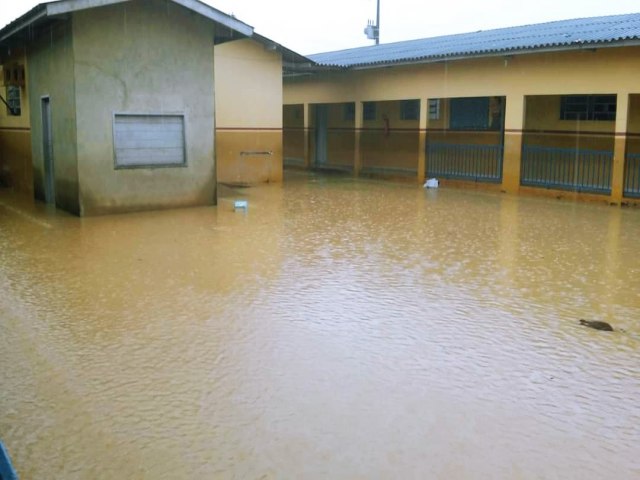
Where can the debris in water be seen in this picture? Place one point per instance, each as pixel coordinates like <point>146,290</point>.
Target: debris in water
<point>431,183</point>
<point>240,205</point>
<point>597,324</point>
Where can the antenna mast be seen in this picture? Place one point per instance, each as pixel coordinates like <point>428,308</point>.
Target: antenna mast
<point>372,31</point>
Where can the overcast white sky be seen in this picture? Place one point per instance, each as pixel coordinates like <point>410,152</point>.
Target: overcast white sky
<point>325,25</point>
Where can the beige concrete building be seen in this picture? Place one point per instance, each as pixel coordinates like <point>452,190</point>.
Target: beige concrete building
<point>117,104</point>
<point>546,109</point>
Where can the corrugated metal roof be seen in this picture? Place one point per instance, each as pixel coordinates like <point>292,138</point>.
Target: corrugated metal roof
<point>565,34</point>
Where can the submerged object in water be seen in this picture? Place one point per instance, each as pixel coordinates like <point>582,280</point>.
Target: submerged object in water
<point>597,324</point>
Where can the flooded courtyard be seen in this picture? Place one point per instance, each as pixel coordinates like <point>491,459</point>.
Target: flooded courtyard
<point>337,328</point>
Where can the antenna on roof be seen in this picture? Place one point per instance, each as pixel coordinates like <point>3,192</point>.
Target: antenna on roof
<point>372,31</point>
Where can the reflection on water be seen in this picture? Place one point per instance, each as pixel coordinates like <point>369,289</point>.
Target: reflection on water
<point>337,329</point>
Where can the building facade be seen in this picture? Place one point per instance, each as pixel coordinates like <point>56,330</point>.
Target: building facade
<point>120,108</point>
<point>533,109</point>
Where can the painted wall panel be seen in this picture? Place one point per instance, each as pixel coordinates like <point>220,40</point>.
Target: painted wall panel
<point>248,84</point>
<point>145,57</point>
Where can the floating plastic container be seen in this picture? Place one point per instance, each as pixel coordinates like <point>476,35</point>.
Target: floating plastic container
<point>240,205</point>
<point>7,472</point>
<point>431,183</point>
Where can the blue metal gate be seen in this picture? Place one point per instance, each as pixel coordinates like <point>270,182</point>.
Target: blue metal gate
<point>480,163</point>
<point>579,170</point>
<point>632,175</point>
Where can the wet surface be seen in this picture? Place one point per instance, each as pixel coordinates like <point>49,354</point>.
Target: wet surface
<point>336,329</point>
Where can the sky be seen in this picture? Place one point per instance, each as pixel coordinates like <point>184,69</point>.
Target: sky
<point>325,25</point>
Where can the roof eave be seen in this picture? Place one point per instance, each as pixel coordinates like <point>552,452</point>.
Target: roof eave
<point>23,22</point>
<point>217,16</point>
<point>46,10</point>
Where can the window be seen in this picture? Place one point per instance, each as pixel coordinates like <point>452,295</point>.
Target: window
<point>588,107</point>
<point>368,111</point>
<point>149,140</point>
<point>434,109</point>
<point>349,113</point>
<point>409,109</point>
<point>469,113</point>
<point>13,100</point>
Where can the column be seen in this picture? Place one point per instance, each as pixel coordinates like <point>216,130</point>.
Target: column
<point>357,154</point>
<point>422,139</point>
<point>619,148</point>
<point>513,128</point>
<point>307,132</point>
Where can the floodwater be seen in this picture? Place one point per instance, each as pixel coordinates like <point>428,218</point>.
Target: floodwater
<point>337,329</point>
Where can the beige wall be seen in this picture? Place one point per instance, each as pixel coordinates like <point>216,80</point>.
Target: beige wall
<point>534,74</point>
<point>16,170</point>
<point>51,74</point>
<point>144,57</point>
<point>248,83</point>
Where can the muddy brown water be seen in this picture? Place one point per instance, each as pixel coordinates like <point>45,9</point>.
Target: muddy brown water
<point>336,329</point>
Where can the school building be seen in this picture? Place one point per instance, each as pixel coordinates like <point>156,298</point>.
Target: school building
<point>552,109</point>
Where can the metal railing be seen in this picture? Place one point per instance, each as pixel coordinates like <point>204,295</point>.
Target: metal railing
<point>632,175</point>
<point>574,169</point>
<point>480,163</point>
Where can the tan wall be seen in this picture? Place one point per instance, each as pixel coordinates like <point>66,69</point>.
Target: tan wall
<point>633,141</point>
<point>16,170</point>
<point>51,73</point>
<point>143,57</point>
<point>249,157</point>
<point>340,137</point>
<point>534,74</point>
<point>388,142</point>
<point>543,127</point>
<point>248,83</point>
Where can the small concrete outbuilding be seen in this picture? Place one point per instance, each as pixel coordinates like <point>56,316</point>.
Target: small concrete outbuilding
<point>118,100</point>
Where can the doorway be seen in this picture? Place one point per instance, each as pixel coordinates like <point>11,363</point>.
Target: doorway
<point>47,152</point>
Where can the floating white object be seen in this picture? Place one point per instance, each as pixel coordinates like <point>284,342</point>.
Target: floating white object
<point>240,205</point>
<point>431,183</point>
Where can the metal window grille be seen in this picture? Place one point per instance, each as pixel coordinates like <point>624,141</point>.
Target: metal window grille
<point>588,107</point>
<point>149,140</point>
<point>410,110</point>
<point>369,111</point>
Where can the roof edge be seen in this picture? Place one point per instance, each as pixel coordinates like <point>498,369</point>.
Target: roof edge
<point>63,7</point>
<point>487,54</point>
<point>216,15</point>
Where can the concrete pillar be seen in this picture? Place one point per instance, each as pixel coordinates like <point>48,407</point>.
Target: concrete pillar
<point>357,132</point>
<point>513,128</point>
<point>307,132</point>
<point>619,148</point>
<point>422,139</point>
